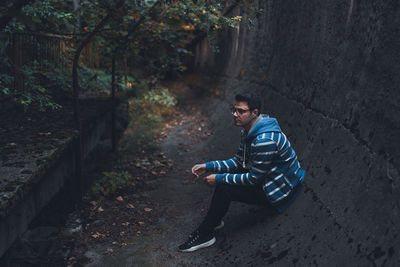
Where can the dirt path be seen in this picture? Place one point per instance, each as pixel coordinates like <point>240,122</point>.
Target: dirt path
<point>182,202</point>
<point>181,199</point>
<point>297,237</point>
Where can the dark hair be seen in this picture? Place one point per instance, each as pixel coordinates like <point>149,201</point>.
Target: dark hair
<point>253,100</point>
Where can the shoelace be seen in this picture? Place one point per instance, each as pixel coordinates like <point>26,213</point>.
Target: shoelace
<point>194,239</point>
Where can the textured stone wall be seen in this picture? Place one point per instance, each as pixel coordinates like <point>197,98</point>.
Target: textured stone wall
<point>330,72</point>
<point>19,208</point>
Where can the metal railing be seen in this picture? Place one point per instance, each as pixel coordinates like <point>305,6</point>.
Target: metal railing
<point>40,49</point>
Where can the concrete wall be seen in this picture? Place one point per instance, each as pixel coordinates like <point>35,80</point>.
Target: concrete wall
<point>330,72</point>
<point>36,191</point>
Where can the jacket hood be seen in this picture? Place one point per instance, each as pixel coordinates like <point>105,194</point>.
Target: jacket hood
<point>264,124</point>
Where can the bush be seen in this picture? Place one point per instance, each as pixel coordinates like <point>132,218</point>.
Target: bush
<point>148,113</point>
<point>110,183</point>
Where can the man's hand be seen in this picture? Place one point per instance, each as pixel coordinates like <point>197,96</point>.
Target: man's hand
<point>210,180</point>
<point>199,169</point>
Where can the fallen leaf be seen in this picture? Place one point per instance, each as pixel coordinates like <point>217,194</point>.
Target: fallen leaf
<point>94,203</point>
<point>130,206</point>
<point>125,223</point>
<point>119,198</point>
<point>100,209</point>
<point>147,209</point>
<point>141,223</point>
<point>97,235</point>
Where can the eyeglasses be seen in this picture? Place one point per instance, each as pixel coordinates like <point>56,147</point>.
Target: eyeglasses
<point>238,111</point>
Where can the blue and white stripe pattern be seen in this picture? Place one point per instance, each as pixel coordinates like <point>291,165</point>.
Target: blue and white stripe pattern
<point>269,159</point>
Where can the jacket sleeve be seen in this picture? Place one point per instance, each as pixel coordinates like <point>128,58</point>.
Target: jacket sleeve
<point>263,152</point>
<point>231,165</point>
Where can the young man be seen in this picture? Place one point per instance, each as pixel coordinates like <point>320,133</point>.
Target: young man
<point>265,171</point>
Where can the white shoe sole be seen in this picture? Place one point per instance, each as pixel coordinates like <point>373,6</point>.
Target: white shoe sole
<point>204,245</point>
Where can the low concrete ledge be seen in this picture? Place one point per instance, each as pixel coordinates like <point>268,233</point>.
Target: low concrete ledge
<point>29,182</point>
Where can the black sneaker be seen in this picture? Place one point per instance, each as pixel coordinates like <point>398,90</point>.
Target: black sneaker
<point>197,241</point>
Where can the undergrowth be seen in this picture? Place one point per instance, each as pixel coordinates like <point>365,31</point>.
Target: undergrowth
<point>111,182</point>
<point>148,113</point>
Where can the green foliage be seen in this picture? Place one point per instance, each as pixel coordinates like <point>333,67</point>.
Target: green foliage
<point>163,41</point>
<point>6,79</point>
<point>100,80</point>
<point>44,16</point>
<point>5,83</point>
<point>32,78</point>
<point>130,83</point>
<point>58,78</point>
<point>37,93</point>
<point>252,11</point>
<point>161,97</point>
<point>110,183</point>
<point>148,113</point>
<point>156,37</point>
<point>94,79</point>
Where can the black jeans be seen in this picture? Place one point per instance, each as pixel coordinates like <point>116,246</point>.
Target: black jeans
<point>223,195</point>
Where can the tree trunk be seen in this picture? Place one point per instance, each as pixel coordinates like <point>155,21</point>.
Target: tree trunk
<point>126,70</point>
<point>78,124</point>
<point>78,18</point>
<point>82,44</point>
<point>75,85</point>
<point>113,134</point>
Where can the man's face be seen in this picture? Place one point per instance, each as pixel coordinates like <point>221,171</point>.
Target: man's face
<point>242,115</point>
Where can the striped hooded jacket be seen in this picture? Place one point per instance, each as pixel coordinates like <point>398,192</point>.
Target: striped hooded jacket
<point>265,157</point>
